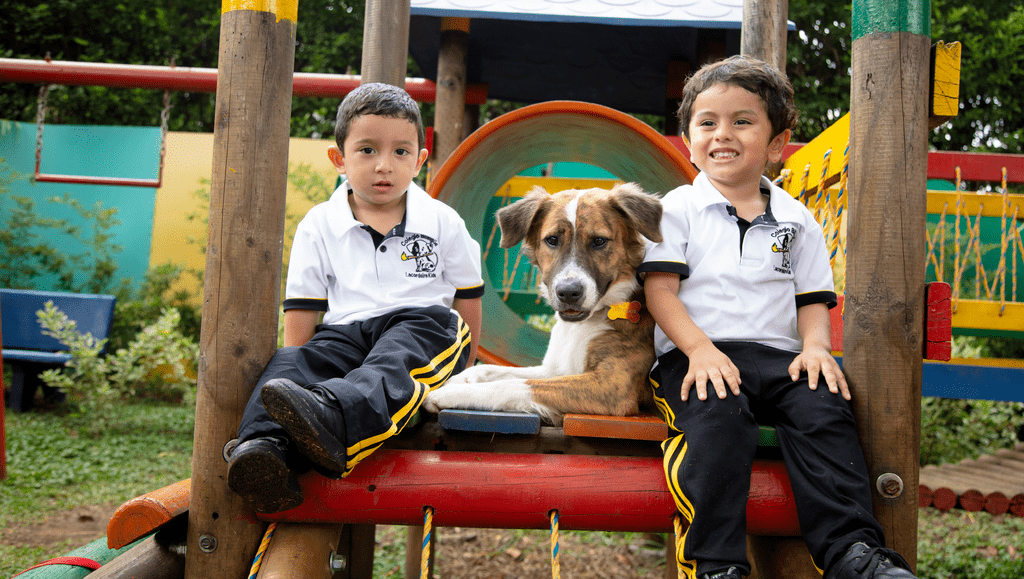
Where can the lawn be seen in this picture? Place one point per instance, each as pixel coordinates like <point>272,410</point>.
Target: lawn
<point>54,468</point>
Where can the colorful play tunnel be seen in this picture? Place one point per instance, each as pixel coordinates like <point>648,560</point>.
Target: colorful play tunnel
<point>550,132</point>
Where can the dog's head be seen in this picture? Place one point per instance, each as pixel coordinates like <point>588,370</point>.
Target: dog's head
<point>587,244</point>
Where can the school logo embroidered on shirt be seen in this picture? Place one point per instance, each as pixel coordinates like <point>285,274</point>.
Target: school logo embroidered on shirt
<point>784,244</point>
<point>420,250</point>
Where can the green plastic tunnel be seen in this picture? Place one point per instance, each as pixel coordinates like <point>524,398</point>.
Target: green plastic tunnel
<point>550,132</point>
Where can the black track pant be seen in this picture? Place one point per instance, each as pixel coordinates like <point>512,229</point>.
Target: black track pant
<point>710,452</point>
<point>379,370</point>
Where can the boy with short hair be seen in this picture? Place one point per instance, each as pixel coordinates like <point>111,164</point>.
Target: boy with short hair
<point>397,278</point>
<point>740,289</point>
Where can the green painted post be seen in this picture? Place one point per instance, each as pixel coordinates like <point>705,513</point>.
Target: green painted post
<point>885,275</point>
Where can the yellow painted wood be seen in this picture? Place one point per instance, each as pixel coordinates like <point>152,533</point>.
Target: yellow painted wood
<point>990,204</point>
<point>284,9</point>
<point>946,84</point>
<point>987,315</point>
<point>834,138</point>
<point>520,186</point>
<point>989,362</point>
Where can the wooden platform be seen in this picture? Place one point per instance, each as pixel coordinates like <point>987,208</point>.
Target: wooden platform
<point>993,483</point>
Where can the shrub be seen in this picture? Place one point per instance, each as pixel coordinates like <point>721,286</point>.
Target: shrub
<point>100,384</point>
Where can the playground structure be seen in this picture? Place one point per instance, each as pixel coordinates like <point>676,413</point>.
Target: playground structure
<point>213,501</point>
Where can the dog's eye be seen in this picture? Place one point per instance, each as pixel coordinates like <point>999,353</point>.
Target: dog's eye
<point>551,240</point>
<point>599,241</point>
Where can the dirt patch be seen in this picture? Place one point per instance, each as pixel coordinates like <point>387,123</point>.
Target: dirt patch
<point>78,526</point>
<point>520,554</point>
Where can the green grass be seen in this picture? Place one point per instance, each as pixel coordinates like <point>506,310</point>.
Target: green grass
<point>53,467</point>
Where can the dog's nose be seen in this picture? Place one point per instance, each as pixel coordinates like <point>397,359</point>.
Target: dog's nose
<point>569,292</point>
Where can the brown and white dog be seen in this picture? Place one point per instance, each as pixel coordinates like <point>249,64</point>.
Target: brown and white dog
<point>587,245</point>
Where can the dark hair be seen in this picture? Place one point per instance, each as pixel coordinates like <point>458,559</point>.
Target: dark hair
<point>377,98</point>
<point>756,76</point>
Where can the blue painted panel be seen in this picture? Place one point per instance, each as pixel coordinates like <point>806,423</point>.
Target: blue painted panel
<point>129,152</point>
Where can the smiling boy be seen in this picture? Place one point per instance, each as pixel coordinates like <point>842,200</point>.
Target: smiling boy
<point>396,277</point>
<point>740,288</point>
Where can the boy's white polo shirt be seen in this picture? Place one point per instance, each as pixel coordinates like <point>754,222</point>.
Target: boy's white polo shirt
<point>334,266</point>
<point>749,295</point>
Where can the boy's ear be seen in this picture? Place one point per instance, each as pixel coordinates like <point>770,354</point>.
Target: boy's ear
<point>337,159</point>
<point>422,159</point>
<point>777,145</point>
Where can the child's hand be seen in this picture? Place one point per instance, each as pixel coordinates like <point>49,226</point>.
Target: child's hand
<point>817,360</point>
<point>709,363</point>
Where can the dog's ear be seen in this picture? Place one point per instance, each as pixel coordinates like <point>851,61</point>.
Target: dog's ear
<point>642,207</point>
<point>515,219</point>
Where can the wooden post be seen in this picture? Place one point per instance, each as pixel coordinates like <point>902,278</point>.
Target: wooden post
<point>764,30</point>
<point>450,109</point>
<point>243,268</point>
<point>385,42</point>
<point>885,268</point>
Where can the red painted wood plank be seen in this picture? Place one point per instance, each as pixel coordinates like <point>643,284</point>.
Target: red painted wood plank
<point>498,490</point>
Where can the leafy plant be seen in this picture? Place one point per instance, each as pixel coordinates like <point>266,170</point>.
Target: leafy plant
<point>33,246</point>
<point>100,384</point>
<point>952,430</point>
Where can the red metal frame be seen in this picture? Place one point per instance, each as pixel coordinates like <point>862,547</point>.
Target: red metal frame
<point>188,79</point>
<point>517,491</point>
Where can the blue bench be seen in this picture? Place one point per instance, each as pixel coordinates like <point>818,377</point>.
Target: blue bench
<point>28,351</point>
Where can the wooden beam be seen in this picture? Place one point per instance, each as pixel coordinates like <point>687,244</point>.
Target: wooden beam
<point>385,42</point>
<point>763,36</point>
<point>885,274</point>
<point>243,269</point>
<point>450,110</point>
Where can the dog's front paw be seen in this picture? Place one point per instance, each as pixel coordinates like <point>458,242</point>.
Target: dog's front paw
<point>477,374</point>
<point>441,398</point>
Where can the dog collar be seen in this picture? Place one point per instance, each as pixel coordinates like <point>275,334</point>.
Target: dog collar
<point>625,311</point>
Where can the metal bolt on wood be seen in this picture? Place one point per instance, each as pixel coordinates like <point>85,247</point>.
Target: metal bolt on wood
<point>207,543</point>
<point>889,485</point>
<point>337,561</point>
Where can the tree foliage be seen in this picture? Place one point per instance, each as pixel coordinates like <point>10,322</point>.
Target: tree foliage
<point>991,34</point>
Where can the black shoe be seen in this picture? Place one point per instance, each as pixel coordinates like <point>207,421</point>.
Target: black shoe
<point>313,423</point>
<point>863,562</point>
<point>732,573</point>
<point>257,472</point>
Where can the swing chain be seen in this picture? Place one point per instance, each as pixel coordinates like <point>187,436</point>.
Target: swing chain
<point>44,95</point>
<point>164,115</point>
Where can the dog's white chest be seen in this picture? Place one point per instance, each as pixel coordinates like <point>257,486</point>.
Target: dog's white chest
<point>567,349</point>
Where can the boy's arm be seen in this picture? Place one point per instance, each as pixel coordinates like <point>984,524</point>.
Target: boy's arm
<point>299,326</point>
<point>471,311</point>
<point>815,327</point>
<point>706,361</point>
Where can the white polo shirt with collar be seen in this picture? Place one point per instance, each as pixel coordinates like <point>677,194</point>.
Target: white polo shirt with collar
<point>741,293</point>
<point>336,268</point>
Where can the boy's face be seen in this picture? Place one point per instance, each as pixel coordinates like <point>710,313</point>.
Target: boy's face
<point>379,160</point>
<point>731,137</point>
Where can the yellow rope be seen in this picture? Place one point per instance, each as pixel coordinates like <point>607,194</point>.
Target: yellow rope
<point>821,189</point>
<point>556,571</point>
<point>428,520</point>
<point>803,184</point>
<point>262,549</point>
<point>838,208</point>
<point>677,525</point>
<point>1004,240</point>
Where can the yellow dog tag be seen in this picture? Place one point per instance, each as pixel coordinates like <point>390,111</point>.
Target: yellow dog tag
<point>625,311</point>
